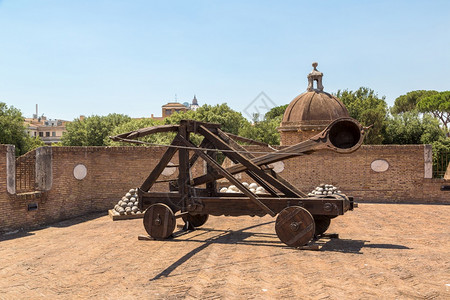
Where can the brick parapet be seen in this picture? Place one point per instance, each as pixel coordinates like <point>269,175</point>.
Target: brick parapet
<point>111,171</point>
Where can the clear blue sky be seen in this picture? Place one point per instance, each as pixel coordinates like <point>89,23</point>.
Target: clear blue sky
<point>103,56</point>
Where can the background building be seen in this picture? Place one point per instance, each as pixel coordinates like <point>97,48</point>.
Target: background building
<point>174,107</point>
<point>48,130</point>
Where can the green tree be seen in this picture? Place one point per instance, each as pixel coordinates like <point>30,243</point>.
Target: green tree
<point>229,119</point>
<point>92,130</point>
<point>276,112</point>
<point>365,106</point>
<point>439,105</point>
<point>263,131</point>
<point>135,124</point>
<point>409,101</point>
<point>441,153</point>
<point>12,130</point>
<point>410,128</point>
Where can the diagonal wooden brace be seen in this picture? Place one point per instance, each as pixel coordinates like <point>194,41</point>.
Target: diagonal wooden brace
<point>227,175</point>
<point>247,163</point>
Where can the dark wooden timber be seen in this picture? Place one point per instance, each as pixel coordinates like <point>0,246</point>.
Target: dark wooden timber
<point>227,139</point>
<point>228,176</point>
<point>321,141</point>
<point>145,131</point>
<point>297,213</point>
<point>256,170</point>
<point>183,170</point>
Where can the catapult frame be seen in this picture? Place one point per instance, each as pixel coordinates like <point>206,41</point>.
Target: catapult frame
<point>299,217</point>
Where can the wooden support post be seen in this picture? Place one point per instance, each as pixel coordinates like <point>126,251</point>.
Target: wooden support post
<point>211,186</point>
<point>183,169</point>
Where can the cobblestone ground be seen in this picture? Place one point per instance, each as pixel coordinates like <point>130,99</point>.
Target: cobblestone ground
<point>385,251</point>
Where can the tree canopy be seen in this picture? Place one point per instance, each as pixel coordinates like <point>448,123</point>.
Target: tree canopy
<point>409,101</point>
<point>12,130</point>
<point>135,124</point>
<point>92,130</point>
<point>365,106</point>
<point>411,128</point>
<point>263,131</point>
<point>439,105</point>
<point>229,119</point>
<point>276,112</point>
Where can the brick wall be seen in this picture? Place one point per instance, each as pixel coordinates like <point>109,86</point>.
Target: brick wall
<point>288,138</point>
<point>112,171</point>
<point>6,200</point>
<point>403,182</point>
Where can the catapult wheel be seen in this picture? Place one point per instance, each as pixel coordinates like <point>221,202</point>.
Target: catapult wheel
<point>159,221</point>
<point>196,220</point>
<point>295,226</point>
<point>322,224</point>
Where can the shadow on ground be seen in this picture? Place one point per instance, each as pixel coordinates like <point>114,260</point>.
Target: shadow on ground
<point>61,224</point>
<point>242,236</point>
<point>354,246</point>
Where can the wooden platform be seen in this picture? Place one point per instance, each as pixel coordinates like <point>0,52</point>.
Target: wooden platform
<point>115,217</point>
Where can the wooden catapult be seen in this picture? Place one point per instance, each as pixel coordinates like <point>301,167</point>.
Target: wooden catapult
<point>300,217</point>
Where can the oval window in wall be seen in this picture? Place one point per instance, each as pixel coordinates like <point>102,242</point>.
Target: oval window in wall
<point>379,165</point>
<point>80,171</point>
<point>169,170</point>
<point>278,166</point>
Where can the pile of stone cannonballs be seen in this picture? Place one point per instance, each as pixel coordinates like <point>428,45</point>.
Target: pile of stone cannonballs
<point>324,190</point>
<point>253,187</point>
<point>128,205</point>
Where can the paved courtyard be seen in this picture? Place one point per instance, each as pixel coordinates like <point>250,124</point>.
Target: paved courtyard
<point>385,251</point>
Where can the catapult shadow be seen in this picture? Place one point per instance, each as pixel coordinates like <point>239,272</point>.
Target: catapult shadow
<point>241,236</point>
<point>354,246</point>
<point>222,237</point>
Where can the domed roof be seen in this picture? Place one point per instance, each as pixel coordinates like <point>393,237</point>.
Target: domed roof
<point>313,109</point>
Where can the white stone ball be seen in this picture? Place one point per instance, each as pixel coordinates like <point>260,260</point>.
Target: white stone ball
<point>253,185</point>
<point>253,190</point>
<point>233,187</point>
<point>245,184</point>
<point>223,190</point>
